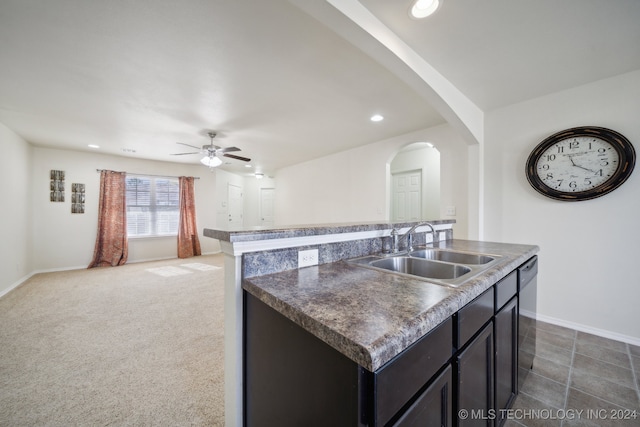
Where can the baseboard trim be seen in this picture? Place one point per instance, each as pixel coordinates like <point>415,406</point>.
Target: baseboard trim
<point>165,258</point>
<point>82,267</point>
<point>55,270</point>
<point>588,329</point>
<point>17,284</point>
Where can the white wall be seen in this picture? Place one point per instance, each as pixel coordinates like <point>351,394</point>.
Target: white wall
<point>63,240</point>
<point>322,191</point>
<point>16,259</point>
<point>589,249</point>
<point>354,185</point>
<point>344,187</point>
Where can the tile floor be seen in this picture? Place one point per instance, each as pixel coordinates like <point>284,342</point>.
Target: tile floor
<point>574,371</point>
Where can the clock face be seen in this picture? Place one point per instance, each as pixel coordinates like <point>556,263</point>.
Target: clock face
<point>580,163</point>
<point>577,164</point>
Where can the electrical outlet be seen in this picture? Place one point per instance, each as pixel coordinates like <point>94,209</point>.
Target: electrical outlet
<point>307,258</point>
<point>428,238</point>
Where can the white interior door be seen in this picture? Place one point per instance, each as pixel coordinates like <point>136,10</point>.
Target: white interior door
<point>406,196</point>
<point>235,203</point>
<point>267,196</point>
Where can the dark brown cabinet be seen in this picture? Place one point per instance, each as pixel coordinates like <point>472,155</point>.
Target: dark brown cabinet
<point>506,343</point>
<point>397,383</point>
<point>433,407</point>
<point>293,378</point>
<point>467,365</point>
<point>473,316</point>
<point>475,390</point>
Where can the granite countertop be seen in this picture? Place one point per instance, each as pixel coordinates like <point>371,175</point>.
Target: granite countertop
<point>372,316</point>
<point>267,233</point>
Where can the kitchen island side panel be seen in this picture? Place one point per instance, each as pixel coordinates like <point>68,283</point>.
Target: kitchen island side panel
<point>292,378</point>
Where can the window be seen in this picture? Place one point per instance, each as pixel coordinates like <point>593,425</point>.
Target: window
<point>152,206</point>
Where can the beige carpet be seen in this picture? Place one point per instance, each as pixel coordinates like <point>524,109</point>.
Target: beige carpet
<point>137,345</point>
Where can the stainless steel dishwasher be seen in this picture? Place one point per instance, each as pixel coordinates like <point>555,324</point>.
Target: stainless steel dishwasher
<point>527,308</point>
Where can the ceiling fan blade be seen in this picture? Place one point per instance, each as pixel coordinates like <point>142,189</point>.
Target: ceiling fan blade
<point>244,159</point>
<point>192,146</point>
<point>228,149</point>
<point>182,154</point>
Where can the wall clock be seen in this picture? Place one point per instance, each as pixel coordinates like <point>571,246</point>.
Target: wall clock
<point>580,163</point>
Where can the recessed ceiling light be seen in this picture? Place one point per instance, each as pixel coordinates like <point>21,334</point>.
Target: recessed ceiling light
<point>247,166</point>
<point>377,118</point>
<point>423,8</point>
<point>93,146</point>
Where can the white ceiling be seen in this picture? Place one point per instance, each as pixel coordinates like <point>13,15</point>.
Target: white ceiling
<point>274,81</point>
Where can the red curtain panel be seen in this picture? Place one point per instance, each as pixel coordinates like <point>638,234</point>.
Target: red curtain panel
<point>111,247</point>
<point>188,242</point>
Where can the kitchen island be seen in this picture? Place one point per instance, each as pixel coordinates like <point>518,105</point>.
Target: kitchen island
<point>364,318</point>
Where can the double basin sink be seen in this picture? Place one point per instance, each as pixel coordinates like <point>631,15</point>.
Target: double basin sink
<point>440,266</point>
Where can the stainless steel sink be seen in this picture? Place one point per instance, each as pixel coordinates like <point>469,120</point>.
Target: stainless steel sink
<point>443,267</point>
<point>421,267</point>
<point>450,256</point>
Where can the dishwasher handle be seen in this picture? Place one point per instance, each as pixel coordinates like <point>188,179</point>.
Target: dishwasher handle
<point>527,272</point>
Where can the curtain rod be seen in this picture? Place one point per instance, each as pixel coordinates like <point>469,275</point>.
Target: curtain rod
<point>148,174</point>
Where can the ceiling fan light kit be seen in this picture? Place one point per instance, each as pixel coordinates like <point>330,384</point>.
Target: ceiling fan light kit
<point>213,153</point>
<point>211,161</point>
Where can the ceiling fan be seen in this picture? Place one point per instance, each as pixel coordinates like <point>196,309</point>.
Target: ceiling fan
<point>213,153</point>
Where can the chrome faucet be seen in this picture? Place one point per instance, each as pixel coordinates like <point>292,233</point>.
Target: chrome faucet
<point>396,238</point>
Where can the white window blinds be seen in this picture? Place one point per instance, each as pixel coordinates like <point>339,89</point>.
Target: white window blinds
<point>152,206</point>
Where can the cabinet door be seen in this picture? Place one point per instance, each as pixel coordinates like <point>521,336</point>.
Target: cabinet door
<point>473,316</point>
<point>433,407</point>
<point>506,342</point>
<point>475,381</point>
<point>400,380</point>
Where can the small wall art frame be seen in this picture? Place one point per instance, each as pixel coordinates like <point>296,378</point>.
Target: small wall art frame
<point>77,198</point>
<point>56,186</point>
